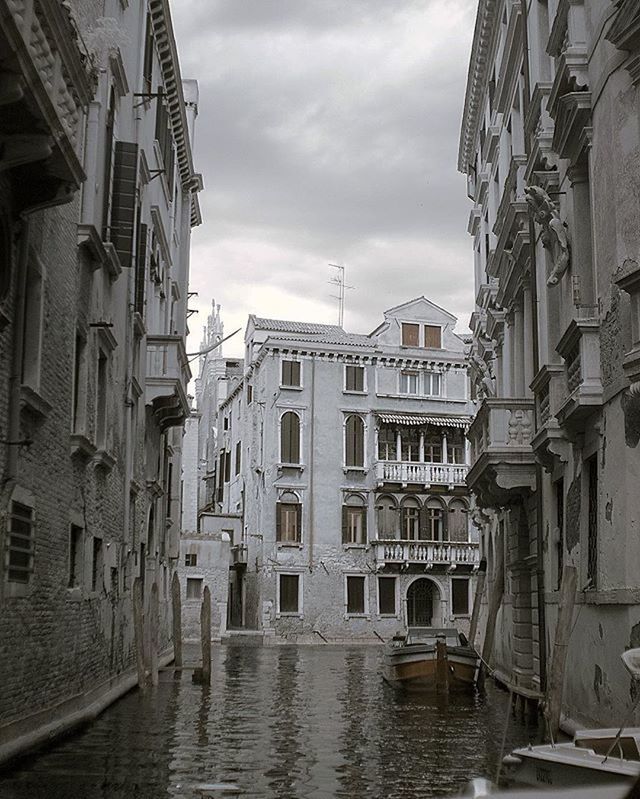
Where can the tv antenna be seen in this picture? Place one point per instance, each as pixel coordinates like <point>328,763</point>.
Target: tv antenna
<point>338,280</point>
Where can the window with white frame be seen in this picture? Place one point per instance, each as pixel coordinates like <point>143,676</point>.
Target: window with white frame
<point>354,520</point>
<point>291,373</point>
<point>432,384</point>
<point>387,596</point>
<point>410,528</point>
<point>460,596</point>
<point>409,382</point>
<point>289,594</point>
<point>387,518</point>
<point>354,378</point>
<point>356,595</point>
<point>20,542</point>
<point>289,519</point>
<point>354,441</point>
<point>290,438</point>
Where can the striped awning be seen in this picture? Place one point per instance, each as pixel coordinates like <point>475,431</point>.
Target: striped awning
<point>418,419</point>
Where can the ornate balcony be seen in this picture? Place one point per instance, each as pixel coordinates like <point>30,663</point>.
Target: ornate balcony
<point>503,462</point>
<point>168,375</point>
<point>429,554</point>
<point>424,474</point>
<point>550,444</point>
<point>46,82</point>
<point>580,349</point>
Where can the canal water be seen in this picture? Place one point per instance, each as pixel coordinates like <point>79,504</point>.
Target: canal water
<point>282,722</point>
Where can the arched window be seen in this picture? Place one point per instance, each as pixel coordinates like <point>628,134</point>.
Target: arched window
<point>387,517</point>
<point>290,438</point>
<point>410,526</point>
<point>354,441</point>
<point>458,521</point>
<point>289,518</point>
<point>435,521</point>
<point>354,520</point>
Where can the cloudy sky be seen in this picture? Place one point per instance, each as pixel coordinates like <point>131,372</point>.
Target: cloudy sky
<point>327,133</point>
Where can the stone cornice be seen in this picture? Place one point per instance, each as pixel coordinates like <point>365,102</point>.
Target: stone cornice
<point>172,80</point>
<point>483,40</point>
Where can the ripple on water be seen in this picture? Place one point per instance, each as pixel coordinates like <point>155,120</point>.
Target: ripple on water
<point>283,722</point>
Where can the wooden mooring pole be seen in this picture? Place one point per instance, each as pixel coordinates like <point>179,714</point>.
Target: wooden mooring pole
<point>477,601</point>
<point>154,629</point>
<point>205,632</point>
<point>560,648</point>
<point>442,667</point>
<point>176,605</point>
<point>495,600</point>
<point>138,629</point>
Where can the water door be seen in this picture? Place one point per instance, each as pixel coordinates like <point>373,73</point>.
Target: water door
<point>420,603</point>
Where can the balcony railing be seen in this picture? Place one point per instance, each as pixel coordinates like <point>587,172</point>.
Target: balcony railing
<point>436,553</point>
<point>168,375</point>
<point>406,472</point>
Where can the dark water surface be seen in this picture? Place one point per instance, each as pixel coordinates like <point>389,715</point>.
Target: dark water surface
<point>278,722</point>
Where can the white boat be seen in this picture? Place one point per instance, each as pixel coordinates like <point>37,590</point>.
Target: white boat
<point>593,758</point>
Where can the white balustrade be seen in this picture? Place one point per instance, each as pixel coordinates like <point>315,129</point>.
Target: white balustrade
<point>422,473</point>
<point>428,552</point>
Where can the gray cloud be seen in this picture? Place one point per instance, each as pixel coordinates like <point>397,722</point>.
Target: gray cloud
<point>328,132</point>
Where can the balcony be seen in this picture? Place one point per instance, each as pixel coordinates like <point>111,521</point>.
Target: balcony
<point>239,556</point>
<point>550,444</point>
<point>426,553</point>
<point>46,84</point>
<point>580,349</point>
<point>168,375</point>
<point>423,474</point>
<point>502,456</point>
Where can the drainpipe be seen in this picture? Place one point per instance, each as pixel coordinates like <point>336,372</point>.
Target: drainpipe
<point>542,615</point>
<point>311,431</point>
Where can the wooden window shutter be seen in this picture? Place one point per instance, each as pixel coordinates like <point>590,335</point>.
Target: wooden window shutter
<point>363,513</point>
<point>123,203</point>
<point>433,336</point>
<point>298,522</point>
<point>141,269</point>
<point>345,524</point>
<point>278,521</point>
<point>410,335</point>
<point>227,466</point>
<point>424,533</point>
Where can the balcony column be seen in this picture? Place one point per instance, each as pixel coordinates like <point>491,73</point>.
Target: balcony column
<point>421,447</point>
<point>507,347</point>
<point>467,451</point>
<point>528,337</point>
<point>445,448</point>
<point>376,432</point>
<point>398,446</point>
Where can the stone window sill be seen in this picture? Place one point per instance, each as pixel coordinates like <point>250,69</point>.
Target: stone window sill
<point>104,460</point>
<point>33,403</point>
<point>81,446</point>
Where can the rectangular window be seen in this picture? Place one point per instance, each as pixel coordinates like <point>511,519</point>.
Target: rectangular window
<point>432,452</point>
<point>409,382</point>
<point>387,596</point>
<point>456,453</point>
<point>289,593</point>
<point>194,587</point>
<point>291,374</point>
<point>410,523</point>
<point>79,384</point>
<point>190,559</point>
<point>227,466</point>
<point>433,337</point>
<point>75,556</point>
<point>101,402</point>
<point>20,543</point>
<point>289,522</point>
<point>238,456</point>
<point>410,335</point>
<point>432,384</point>
<point>460,596</point>
<point>387,444</point>
<point>355,595</point>
<point>97,566</point>
<point>354,525</point>
<point>354,378</point>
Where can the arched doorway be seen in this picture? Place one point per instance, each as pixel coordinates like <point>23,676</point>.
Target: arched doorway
<point>422,594</point>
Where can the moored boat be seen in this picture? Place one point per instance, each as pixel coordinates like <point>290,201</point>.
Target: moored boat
<point>430,658</point>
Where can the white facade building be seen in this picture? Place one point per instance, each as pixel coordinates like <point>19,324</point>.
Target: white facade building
<point>345,458</point>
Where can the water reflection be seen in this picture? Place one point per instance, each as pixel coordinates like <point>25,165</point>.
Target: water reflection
<point>278,722</point>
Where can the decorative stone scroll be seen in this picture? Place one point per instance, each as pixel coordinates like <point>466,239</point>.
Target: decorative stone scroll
<point>555,237</point>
